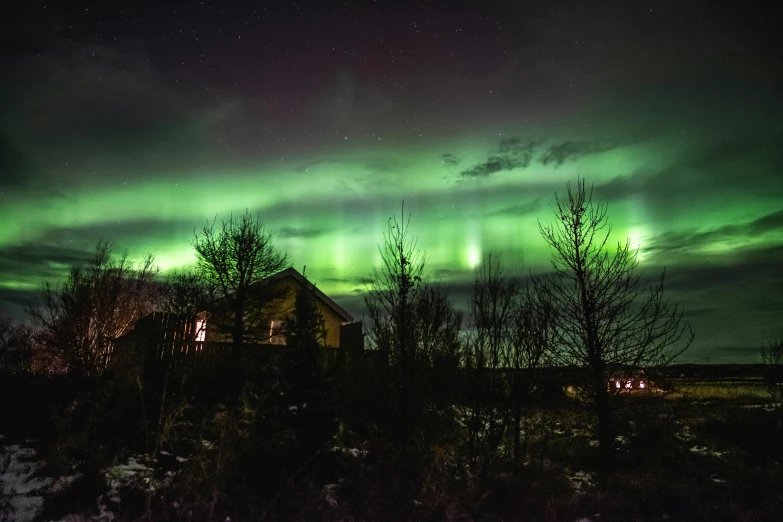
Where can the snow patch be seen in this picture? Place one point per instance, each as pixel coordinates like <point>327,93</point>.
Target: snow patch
<point>685,434</point>
<point>20,488</point>
<point>703,450</point>
<point>581,480</point>
<point>353,452</point>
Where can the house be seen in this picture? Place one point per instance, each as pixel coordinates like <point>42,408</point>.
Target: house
<point>287,284</point>
<point>180,341</point>
<point>282,289</point>
<point>628,381</point>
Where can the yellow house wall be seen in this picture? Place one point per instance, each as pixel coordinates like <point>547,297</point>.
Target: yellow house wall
<point>279,309</point>
<point>283,307</point>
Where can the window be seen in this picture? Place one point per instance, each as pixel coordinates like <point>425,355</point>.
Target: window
<point>201,330</point>
<point>276,332</point>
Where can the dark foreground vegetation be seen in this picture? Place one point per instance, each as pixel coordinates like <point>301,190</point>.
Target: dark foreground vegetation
<point>713,457</point>
<point>506,414</point>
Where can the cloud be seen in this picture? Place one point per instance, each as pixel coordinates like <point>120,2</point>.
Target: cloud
<point>13,302</point>
<point>492,165</point>
<point>512,153</point>
<point>359,280</point>
<point>449,159</point>
<point>685,242</point>
<point>301,232</point>
<point>123,233</point>
<point>746,164</point>
<point>98,93</point>
<point>759,266</point>
<point>19,173</point>
<point>522,209</point>
<point>690,313</point>
<point>572,150</point>
<point>516,152</point>
<point>767,223</point>
<point>92,113</point>
<point>452,274</point>
<point>721,355</point>
<point>30,261</point>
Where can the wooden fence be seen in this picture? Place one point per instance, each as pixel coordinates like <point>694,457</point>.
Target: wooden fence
<point>163,344</point>
<point>166,344</point>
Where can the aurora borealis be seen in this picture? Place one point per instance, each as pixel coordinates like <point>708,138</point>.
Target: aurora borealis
<point>138,124</point>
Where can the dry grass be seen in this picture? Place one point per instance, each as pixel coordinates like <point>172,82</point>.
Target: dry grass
<point>744,390</point>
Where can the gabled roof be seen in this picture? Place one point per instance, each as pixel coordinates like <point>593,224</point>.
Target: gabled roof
<point>294,273</point>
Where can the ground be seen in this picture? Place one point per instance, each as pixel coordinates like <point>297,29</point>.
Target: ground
<point>709,451</point>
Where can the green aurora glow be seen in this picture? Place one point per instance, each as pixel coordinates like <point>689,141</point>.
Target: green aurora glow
<point>693,179</point>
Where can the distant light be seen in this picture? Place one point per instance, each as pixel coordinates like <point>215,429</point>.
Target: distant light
<point>641,384</point>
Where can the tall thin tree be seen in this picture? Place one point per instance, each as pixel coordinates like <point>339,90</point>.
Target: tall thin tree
<point>605,316</point>
<point>533,340</point>
<point>492,307</point>
<point>411,324</point>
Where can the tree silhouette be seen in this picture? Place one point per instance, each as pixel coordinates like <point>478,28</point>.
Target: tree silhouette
<point>186,293</point>
<point>15,347</point>
<point>235,257</point>
<point>411,324</point>
<point>305,334</point>
<point>492,306</point>
<point>605,317</point>
<point>533,340</point>
<point>96,304</point>
<point>772,357</point>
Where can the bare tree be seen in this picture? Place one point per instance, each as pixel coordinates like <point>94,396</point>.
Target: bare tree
<point>492,307</point>
<point>605,316</point>
<point>15,347</point>
<point>396,286</point>
<point>236,256</point>
<point>437,326</point>
<point>186,293</point>
<point>411,324</point>
<point>533,340</point>
<point>96,304</point>
<point>772,357</point>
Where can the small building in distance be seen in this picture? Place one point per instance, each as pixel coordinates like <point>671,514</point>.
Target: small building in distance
<point>628,381</point>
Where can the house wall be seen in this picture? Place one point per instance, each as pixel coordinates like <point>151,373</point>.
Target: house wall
<point>282,308</point>
<point>279,309</point>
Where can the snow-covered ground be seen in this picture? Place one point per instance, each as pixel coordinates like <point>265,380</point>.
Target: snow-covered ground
<point>23,487</point>
<point>22,490</point>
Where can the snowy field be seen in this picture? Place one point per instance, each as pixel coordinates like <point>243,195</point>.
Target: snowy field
<point>25,486</point>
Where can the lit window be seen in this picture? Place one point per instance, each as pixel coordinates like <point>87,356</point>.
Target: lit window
<point>629,384</point>
<point>616,384</point>
<point>641,384</point>
<point>201,330</point>
<point>275,332</point>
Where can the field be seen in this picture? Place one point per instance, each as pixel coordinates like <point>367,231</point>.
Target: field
<point>709,448</point>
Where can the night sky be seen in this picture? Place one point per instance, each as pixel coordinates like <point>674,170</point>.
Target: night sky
<point>136,124</point>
